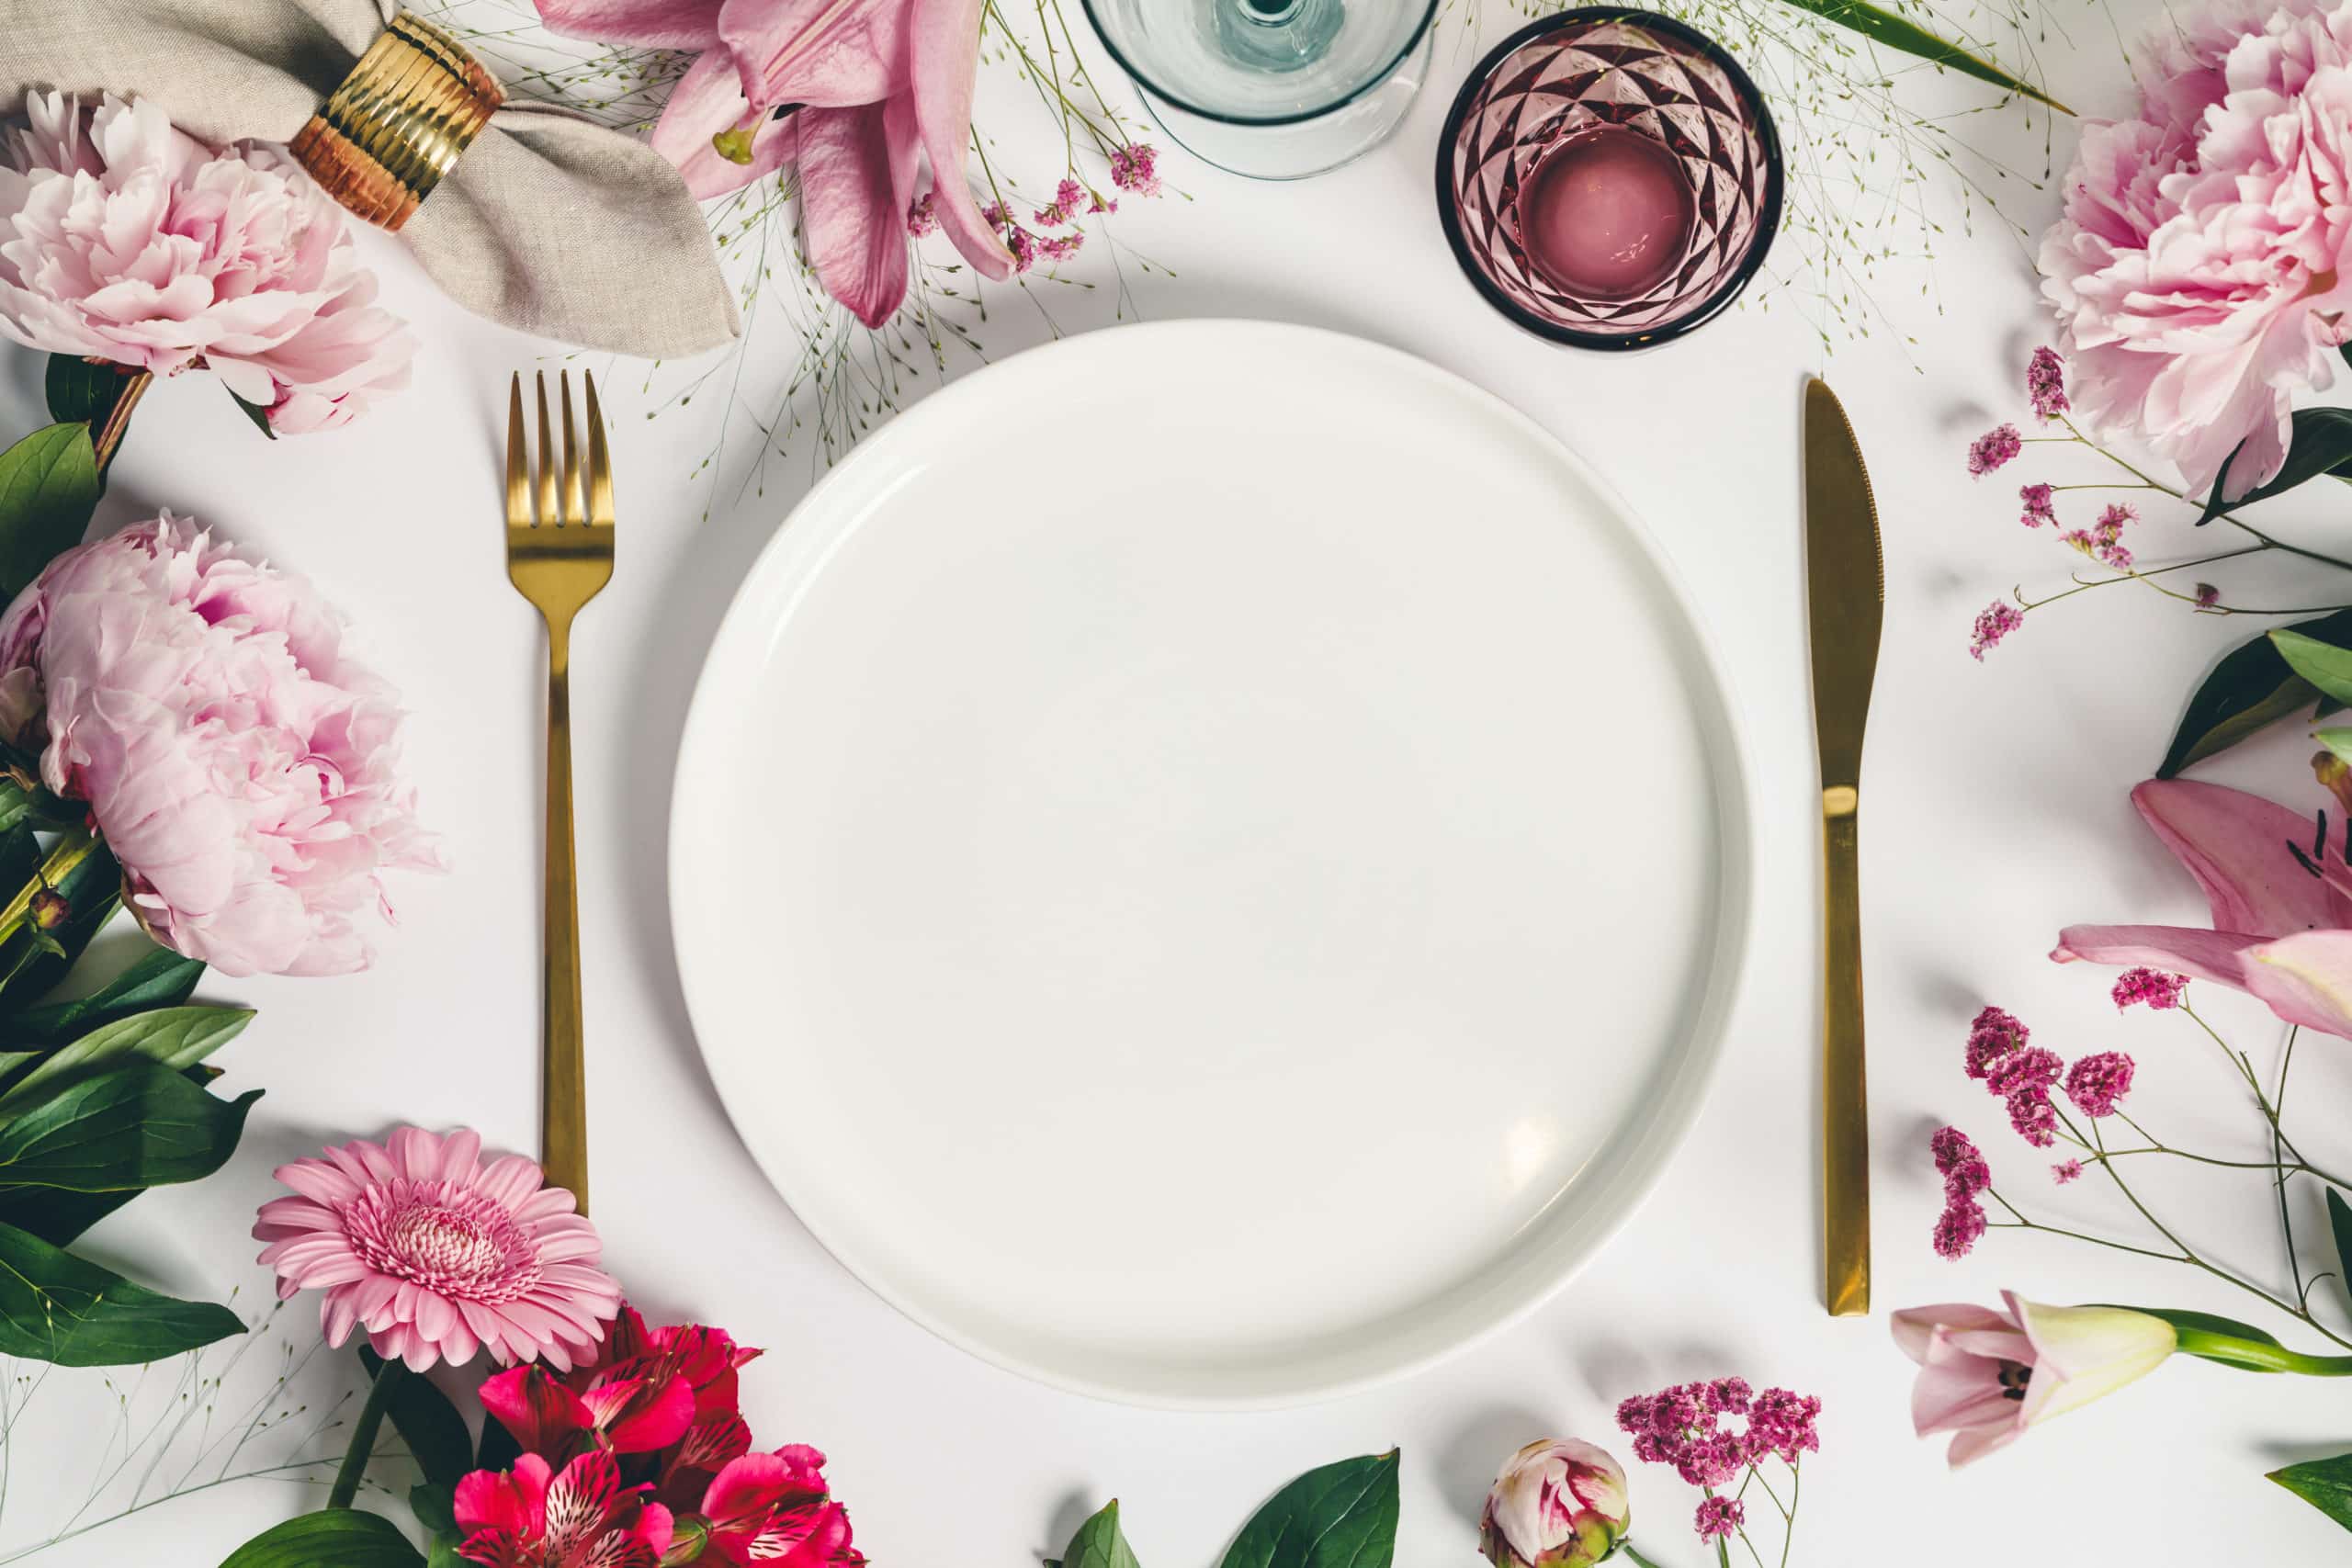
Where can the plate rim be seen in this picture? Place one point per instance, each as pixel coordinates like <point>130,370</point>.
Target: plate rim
<point>1669,1129</point>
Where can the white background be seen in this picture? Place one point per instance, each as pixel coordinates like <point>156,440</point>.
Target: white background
<point>1995,812</point>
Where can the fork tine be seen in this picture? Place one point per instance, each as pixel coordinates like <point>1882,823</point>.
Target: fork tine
<point>549,516</point>
<point>600,462</point>
<point>518,460</point>
<point>575,509</point>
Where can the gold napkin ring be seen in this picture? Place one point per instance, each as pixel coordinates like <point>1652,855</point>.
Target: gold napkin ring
<point>397,123</point>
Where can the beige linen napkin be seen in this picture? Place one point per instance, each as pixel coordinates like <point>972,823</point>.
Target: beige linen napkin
<point>549,222</point>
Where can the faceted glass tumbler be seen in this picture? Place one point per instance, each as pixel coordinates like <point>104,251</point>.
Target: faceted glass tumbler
<point>1641,71</point>
<point>1274,89</point>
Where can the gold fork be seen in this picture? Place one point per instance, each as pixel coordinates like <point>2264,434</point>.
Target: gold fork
<point>558,562</point>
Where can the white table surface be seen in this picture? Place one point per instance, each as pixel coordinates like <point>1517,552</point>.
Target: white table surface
<point>1995,813</point>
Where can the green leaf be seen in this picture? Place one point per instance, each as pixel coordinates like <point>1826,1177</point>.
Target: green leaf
<point>57,1307</point>
<point>1342,1515</point>
<point>2339,1225</point>
<point>2320,443</point>
<point>1099,1544</point>
<point>138,1126</point>
<point>2251,688</point>
<point>55,1215</point>
<point>160,978</point>
<point>332,1537</point>
<point>1886,27</point>
<point>499,1451</point>
<point>49,487</point>
<point>2324,1484</point>
<point>78,390</point>
<point>178,1037</point>
<point>430,1424</point>
<point>257,413</point>
<point>436,1507</point>
<point>2327,667</point>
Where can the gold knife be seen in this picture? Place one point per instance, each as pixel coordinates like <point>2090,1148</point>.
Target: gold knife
<point>1846,596</point>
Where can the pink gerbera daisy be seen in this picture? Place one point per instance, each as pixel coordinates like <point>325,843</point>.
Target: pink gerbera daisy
<point>436,1254</point>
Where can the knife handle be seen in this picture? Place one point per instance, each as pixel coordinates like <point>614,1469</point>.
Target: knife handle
<point>1844,1111</point>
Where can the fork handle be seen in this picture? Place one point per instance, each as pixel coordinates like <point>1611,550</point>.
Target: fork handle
<point>563,1103</point>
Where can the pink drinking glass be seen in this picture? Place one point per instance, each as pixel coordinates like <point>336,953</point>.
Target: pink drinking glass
<point>1609,66</point>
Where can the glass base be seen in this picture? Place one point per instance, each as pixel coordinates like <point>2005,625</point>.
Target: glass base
<point>1301,147</point>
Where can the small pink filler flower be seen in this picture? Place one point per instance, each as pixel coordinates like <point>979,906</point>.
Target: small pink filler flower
<point>437,1254</point>
<point>1993,448</point>
<point>241,768</point>
<point>1995,622</point>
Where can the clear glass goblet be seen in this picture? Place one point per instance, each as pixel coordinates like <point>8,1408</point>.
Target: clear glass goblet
<point>1274,89</point>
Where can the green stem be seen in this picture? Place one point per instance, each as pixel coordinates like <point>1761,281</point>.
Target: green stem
<point>2255,1356</point>
<point>363,1434</point>
<point>1633,1557</point>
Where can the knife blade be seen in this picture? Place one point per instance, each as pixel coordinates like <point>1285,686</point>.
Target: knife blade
<point>1846,604</point>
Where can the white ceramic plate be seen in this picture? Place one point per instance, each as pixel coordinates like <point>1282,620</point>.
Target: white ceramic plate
<point>1208,862</point>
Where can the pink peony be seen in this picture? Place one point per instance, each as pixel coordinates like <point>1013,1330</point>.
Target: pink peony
<point>1559,1503</point>
<point>851,95</point>
<point>2201,267</point>
<point>123,239</point>
<point>436,1255</point>
<point>239,766</point>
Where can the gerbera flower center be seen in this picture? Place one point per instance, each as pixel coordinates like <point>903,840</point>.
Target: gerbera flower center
<point>452,1241</point>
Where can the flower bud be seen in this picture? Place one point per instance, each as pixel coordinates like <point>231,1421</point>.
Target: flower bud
<point>2336,778</point>
<point>48,909</point>
<point>1559,1503</point>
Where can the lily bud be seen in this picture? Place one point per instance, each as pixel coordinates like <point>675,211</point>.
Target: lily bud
<point>1559,1503</point>
<point>2332,772</point>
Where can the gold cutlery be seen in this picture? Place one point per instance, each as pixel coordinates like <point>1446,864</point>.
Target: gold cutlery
<point>1846,595</point>
<point>559,555</point>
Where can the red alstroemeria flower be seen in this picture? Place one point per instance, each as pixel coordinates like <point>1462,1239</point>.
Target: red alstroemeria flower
<point>584,1517</point>
<point>771,1508</point>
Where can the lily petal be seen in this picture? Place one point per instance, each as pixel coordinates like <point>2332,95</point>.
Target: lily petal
<point>2235,845</point>
<point>2085,1352</point>
<point>654,23</point>
<point>708,100</point>
<point>2218,956</point>
<point>945,53</point>
<point>828,53</point>
<point>857,175</point>
<point>2306,978</point>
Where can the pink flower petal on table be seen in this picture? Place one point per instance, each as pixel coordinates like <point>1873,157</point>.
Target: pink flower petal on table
<point>653,24</point>
<point>857,168</point>
<point>2201,955</point>
<point>825,54</point>
<point>945,55</point>
<point>710,99</point>
<point>2235,845</point>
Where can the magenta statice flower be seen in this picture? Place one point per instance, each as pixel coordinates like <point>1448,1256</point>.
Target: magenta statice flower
<point>1958,1229</point>
<point>2207,595</point>
<point>1018,241</point>
<point>2117,512</point>
<point>1996,621</point>
<point>2045,383</point>
<point>2033,1117</point>
<point>1994,447</point>
<point>1070,201</point>
<point>2066,1171</point>
<point>1992,1033</point>
<point>2041,506</point>
<point>1135,167</point>
<point>923,216</point>
<point>1783,1424</point>
<point>2153,986</point>
<point>2095,1083</point>
<point>2028,1067</point>
<point>1060,247</point>
<point>1719,1516</point>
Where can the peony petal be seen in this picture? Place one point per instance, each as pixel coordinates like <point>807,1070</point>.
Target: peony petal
<point>944,53</point>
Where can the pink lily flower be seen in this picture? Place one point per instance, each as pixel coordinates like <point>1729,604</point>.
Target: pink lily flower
<point>851,92</point>
<point>2282,921</point>
<point>1985,1376</point>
